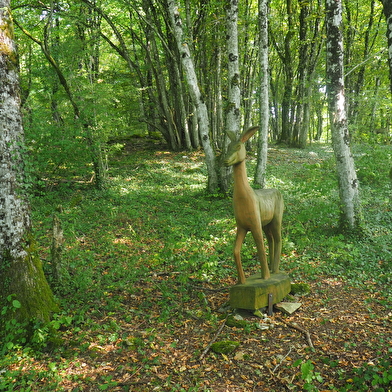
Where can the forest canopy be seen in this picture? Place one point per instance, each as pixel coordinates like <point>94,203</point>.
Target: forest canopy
<point>95,72</point>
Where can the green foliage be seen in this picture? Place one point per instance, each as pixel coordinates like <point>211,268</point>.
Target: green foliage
<point>154,230</point>
<point>30,335</point>
<point>371,377</point>
<point>13,333</point>
<point>308,375</point>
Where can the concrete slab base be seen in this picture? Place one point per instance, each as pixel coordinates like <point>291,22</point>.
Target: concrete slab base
<point>253,294</point>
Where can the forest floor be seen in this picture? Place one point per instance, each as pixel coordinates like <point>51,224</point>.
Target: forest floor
<point>150,269</point>
<point>346,327</point>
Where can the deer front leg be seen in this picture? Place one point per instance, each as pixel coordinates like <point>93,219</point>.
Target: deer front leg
<point>258,237</point>
<point>241,233</point>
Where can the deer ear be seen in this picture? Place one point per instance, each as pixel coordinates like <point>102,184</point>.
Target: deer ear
<point>248,134</point>
<point>232,136</point>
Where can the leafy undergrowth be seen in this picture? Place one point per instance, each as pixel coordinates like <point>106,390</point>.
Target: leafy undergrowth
<point>149,270</point>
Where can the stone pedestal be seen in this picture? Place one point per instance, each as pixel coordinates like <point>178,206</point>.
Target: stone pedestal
<point>253,294</point>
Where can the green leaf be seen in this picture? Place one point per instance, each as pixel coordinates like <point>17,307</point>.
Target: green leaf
<point>297,362</point>
<point>16,304</point>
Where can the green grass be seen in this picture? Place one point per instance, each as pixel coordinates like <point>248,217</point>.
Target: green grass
<point>155,218</point>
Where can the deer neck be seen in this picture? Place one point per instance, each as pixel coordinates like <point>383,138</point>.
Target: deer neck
<point>242,189</point>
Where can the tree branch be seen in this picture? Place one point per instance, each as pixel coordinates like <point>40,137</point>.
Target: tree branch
<point>213,340</point>
<point>296,327</point>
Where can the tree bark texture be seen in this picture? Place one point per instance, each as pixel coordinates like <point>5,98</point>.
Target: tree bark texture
<point>289,66</point>
<point>233,111</point>
<point>195,93</point>
<point>233,116</point>
<point>262,149</point>
<point>348,182</point>
<point>21,271</point>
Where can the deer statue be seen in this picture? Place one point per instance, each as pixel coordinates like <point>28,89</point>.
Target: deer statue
<point>254,210</point>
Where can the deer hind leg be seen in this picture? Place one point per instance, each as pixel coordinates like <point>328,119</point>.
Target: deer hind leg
<point>258,237</point>
<point>241,233</point>
<point>271,244</point>
<point>275,228</point>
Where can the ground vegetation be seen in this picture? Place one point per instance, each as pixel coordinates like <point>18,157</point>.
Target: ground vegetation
<point>149,258</point>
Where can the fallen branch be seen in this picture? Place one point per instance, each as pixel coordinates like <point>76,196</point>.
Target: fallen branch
<point>296,327</point>
<point>273,371</point>
<point>213,340</point>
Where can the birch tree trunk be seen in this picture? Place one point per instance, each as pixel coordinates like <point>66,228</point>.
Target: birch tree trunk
<point>21,271</point>
<point>233,115</point>
<point>348,182</point>
<point>262,150</point>
<point>233,112</point>
<point>388,15</point>
<point>196,96</point>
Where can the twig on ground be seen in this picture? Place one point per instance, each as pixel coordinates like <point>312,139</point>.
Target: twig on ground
<point>282,360</point>
<point>166,273</point>
<point>213,340</point>
<point>304,331</point>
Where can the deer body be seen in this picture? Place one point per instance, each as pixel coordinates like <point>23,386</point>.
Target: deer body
<point>254,211</point>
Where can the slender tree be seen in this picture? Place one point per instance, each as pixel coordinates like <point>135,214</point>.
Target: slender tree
<point>348,182</point>
<point>233,113</point>
<point>286,54</point>
<point>264,95</point>
<point>388,15</point>
<point>195,93</point>
<point>21,271</point>
<point>233,117</point>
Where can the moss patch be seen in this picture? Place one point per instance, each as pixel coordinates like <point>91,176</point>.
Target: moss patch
<point>24,278</point>
<point>224,346</point>
<point>300,289</point>
<point>233,322</point>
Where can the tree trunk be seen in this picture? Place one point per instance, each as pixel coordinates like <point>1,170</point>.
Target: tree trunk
<point>348,182</point>
<point>303,69</point>
<point>21,271</point>
<point>388,15</point>
<point>288,64</point>
<point>249,60</point>
<point>233,114</point>
<point>196,96</point>
<point>59,269</point>
<point>264,96</point>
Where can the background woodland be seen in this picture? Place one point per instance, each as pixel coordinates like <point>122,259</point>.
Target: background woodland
<point>94,72</point>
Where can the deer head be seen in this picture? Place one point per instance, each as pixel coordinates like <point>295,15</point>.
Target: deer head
<point>236,151</point>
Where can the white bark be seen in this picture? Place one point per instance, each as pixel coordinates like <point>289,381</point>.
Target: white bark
<point>196,96</point>
<point>348,182</point>
<point>262,150</point>
<point>14,212</point>
<point>233,117</point>
<point>21,271</point>
<point>233,111</point>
